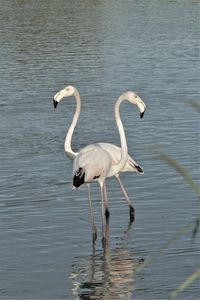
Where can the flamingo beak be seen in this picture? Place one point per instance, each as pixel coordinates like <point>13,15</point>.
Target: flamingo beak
<point>55,103</point>
<point>141,115</point>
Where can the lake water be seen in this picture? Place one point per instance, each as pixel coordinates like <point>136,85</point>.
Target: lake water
<point>103,48</point>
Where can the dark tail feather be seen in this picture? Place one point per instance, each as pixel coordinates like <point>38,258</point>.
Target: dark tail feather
<point>78,178</point>
<point>140,170</point>
<point>137,167</point>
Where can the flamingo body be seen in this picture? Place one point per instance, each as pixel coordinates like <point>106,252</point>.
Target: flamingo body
<point>91,164</point>
<point>115,153</point>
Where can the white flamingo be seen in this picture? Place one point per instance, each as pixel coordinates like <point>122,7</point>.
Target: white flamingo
<point>114,151</point>
<point>98,161</point>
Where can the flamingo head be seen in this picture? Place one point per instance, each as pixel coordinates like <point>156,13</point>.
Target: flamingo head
<point>133,98</point>
<point>66,92</point>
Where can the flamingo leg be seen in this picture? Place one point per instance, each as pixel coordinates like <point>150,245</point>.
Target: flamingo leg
<point>102,212</point>
<point>94,229</point>
<point>105,242</point>
<point>131,208</point>
<point>107,213</point>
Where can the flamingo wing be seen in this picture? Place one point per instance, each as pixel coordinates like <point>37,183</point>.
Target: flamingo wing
<point>115,153</point>
<point>91,163</point>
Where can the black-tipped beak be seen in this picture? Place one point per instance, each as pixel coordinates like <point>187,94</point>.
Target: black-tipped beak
<point>141,115</point>
<point>55,103</point>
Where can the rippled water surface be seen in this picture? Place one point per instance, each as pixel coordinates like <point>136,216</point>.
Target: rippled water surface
<point>103,48</point>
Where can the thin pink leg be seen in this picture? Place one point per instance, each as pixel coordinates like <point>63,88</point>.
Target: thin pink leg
<point>107,213</point>
<point>102,212</point>
<point>94,229</point>
<point>131,209</point>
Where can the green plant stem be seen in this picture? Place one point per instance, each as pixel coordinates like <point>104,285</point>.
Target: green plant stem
<point>185,284</point>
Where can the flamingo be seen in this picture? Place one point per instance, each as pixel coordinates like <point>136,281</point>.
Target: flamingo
<point>98,161</point>
<point>114,151</point>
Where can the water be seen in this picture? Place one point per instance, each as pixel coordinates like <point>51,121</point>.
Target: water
<point>103,48</point>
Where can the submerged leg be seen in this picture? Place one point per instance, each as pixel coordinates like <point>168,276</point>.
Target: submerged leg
<point>107,213</point>
<point>94,229</point>
<point>105,241</point>
<point>131,209</point>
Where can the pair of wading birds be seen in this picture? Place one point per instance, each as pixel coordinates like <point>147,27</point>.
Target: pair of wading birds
<point>98,161</point>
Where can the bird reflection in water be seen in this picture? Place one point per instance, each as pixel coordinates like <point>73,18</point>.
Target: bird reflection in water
<point>108,274</point>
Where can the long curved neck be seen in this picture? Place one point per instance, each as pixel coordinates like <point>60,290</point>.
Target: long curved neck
<point>124,149</point>
<point>68,139</point>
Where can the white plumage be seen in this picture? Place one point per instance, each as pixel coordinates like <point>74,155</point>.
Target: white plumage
<point>94,162</point>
